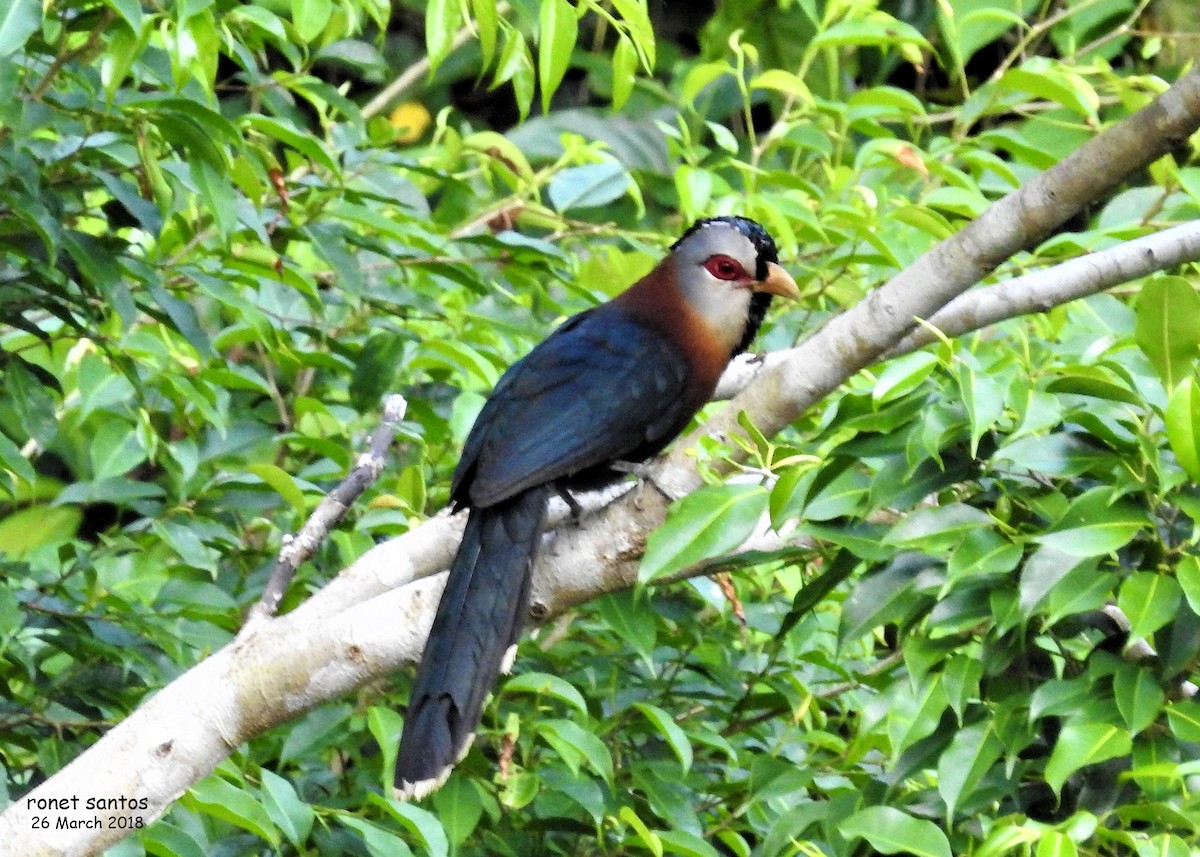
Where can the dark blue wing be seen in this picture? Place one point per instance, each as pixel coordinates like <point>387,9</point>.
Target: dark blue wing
<point>601,388</point>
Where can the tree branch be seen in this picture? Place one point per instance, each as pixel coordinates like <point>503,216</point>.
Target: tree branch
<point>332,508</point>
<point>413,73</point>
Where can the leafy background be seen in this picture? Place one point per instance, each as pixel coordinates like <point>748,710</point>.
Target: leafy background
<point>219,246</point>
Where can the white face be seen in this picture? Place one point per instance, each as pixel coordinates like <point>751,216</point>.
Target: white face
<point>714,268</point>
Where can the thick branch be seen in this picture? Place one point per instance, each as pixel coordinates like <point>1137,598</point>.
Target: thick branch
<point>1077,278</point>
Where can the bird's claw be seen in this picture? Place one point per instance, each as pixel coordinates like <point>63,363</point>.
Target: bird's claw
<point>644,474</point>
<point>572,504</point>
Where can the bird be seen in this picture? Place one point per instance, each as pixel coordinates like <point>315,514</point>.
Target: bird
<point>606,391</point>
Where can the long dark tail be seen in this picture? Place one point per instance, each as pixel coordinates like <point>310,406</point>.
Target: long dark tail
<point>480,616</point>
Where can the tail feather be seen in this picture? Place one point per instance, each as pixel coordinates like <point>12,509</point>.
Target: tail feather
<point>479,618</point>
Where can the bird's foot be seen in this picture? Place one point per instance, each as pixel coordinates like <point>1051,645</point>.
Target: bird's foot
<point>645,474</point>
<point>572,504</point>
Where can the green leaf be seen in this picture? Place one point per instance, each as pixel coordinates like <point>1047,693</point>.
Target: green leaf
<point>891,831</point>
<point>385,726</point>
<point>115,450</point>
<point>914,713</point>
<point>1042,572</point>
<point>1138,696</point>
<point>687,844</point>
<point>1182,420</point>
<point>283,483</point>
<point>983,551</point>
<point>589,186</point>
<point>266,23</point>
<point>181,313</point>
<point>379,842</point>
<point>221,799</point>
<point>12,461</point>
<point>25,386</point>
<point>705,524</point>
<point>1150,601</point>
<point>875,29</point>
<point>288,134</point>
<point>289,813</point>
<point>516,64</point>
<point>1187,573</point>
<point>783,81</point>
<point>164,839</point>
<point>1093,526</point>
<point>624,71</point>
<point>570,738</point>
<point>938,526</point>
<point>310,17</point>
<point>549,685</point>
<point>421,822</point>
<point>902,375</point>
<point>972,752</point>
<point>701,76</point>
<point>559,27</point>
<point>1184,718</point>
<point>636,16</point>
<point>459,808</point>
<point>629,617</point>
<point>442,19</point>
<point>651,841</point>
<point>117,490</point>
<point>461,357</point>
<point>1053,83</point>
<point>1059,696</point>
<point>487,24</point>
<point>1051,843</point>
<point>983,399</point>
<point>375,370</point>
<point>1082,742</point>
<point>886,596</point>
<point>1097,381</point>
<point>17,23</point>
<point>694,186</point>
<point>131,11</point>
<point>1082,589</point>
<point>1166,329</point>
<point>520,790</point>
<point>28,528</point>
<point>675,737</point>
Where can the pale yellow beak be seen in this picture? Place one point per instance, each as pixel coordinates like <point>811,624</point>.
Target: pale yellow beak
<point>778,282</point>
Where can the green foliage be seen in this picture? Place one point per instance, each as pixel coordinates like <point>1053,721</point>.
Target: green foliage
<point>214,261</point>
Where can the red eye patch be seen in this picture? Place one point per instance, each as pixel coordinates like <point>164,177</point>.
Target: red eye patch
<point>724,268</point>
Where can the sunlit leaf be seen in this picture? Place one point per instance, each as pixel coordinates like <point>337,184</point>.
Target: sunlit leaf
<point>702,525</point>
<point>1081,743</point>
<point>675,737</point>
<point>1183,425</point>
<point>891,831</point>
<point>559,28</point>
<point>1166,309</point>
<point>1149,600</point>
<point>1093,525</point>
<point>17,23</point>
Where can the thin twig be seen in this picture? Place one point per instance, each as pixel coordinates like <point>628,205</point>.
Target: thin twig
<point>61,60</point>
<point>299,547</point>
<point>413,73</point>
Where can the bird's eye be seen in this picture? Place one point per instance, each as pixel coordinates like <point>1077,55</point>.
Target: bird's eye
<point>724,268</point>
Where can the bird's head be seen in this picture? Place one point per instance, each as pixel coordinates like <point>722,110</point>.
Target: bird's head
<point>727,269</point>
